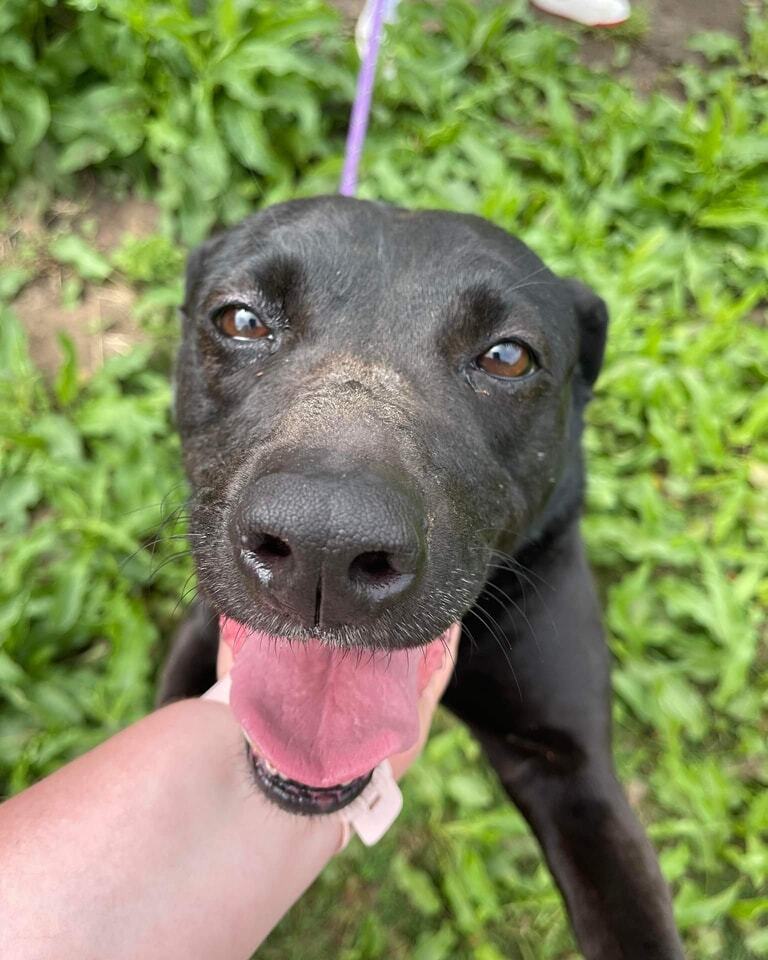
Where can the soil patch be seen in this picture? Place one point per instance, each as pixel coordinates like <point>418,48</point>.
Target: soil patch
<point>100,323</point>
<point>664,46</point>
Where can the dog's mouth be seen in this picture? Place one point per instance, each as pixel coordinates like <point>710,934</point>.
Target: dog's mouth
<point>295,797</point>
<point>317,719</point>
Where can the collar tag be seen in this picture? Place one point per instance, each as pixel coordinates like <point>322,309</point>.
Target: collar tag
<point>372,813</point>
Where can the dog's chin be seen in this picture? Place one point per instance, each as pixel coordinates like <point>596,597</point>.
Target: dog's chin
<point>299,798</point>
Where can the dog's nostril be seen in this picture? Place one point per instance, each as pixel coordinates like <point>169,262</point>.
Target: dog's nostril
<point>373,566</point>
<point>269,548</point>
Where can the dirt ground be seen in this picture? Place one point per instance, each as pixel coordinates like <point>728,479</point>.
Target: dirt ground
<point>101,323</point>
<point>664,46</point>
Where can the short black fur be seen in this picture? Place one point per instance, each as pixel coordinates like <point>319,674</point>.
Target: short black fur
<point>367,413</point>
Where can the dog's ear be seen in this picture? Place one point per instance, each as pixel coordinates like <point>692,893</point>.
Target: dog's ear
<point>592,314</point>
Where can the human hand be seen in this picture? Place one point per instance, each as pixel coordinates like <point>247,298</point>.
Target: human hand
<point>428,701</point>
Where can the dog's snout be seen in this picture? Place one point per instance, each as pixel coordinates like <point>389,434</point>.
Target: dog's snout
<point>329,549</point>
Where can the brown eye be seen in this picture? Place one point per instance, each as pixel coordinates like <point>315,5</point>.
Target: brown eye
<point>240,323</point>
<point>507,359</point>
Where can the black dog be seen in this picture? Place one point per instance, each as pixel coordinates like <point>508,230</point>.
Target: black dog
<point>381,413</point>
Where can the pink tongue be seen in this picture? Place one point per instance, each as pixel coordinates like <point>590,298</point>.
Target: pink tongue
<point>323,716</point>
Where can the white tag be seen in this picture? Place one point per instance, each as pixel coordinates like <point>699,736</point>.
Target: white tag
<point>376,809</point>
<point>219,691</point>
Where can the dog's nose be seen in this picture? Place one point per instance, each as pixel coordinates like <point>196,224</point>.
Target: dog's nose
<point>329,550</point>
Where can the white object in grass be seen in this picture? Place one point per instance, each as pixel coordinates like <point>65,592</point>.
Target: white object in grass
<point>592,13</point>
<point>365,20</point>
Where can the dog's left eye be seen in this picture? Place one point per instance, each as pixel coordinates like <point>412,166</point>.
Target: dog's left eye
<point>508,359</point>
<point>240,323</point>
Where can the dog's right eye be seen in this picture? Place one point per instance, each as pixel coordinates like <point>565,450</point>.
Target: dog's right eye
<point>240,323</point>
<point>508,360</point>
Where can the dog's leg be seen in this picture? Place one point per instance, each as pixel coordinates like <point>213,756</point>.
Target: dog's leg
<point>537,696</point>
<point>191,665</point>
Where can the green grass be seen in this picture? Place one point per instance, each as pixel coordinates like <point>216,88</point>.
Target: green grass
<point>660,204</point>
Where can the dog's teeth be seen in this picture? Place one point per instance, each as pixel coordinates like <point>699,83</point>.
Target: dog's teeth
<point>255,752</point>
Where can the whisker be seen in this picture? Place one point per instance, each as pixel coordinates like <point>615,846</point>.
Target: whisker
<point>174,556</point>
<point>144,546</point>
<point>501,596</point>
<point>185,593</point>
<point>488,621</point>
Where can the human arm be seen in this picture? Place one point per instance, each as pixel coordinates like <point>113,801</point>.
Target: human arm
<point>157,845</point>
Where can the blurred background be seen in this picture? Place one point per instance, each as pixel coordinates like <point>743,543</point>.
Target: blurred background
<point>635,159</point>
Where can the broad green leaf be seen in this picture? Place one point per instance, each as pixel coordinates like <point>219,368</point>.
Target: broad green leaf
<point>73,250</point>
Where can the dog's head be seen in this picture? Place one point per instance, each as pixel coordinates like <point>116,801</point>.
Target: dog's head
<point>372,401</point>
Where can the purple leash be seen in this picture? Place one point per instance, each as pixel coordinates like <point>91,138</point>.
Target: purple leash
<point>361,106</point>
